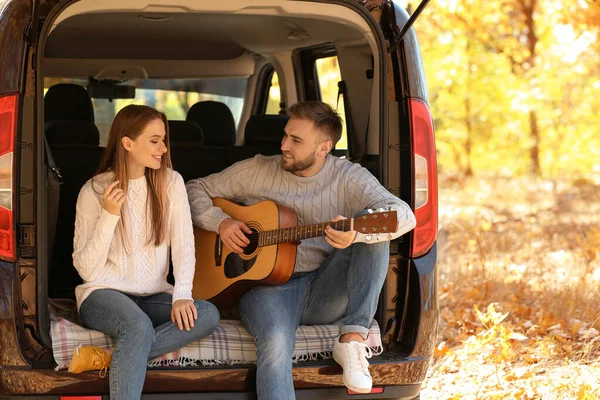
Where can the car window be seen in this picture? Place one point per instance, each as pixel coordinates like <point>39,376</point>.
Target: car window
<point>274,99</point>
<point>328,73</point>
<point>172,97</point>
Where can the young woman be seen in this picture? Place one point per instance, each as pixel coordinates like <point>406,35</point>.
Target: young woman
<point>128,217</point>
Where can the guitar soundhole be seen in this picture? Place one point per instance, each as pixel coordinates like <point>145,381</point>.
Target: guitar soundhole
<point>235,265</point>
<point>251,248</point>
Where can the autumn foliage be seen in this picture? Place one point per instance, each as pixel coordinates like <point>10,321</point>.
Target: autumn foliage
<point>514,85</point>
<point>514,88</point>
<point>519,276</point>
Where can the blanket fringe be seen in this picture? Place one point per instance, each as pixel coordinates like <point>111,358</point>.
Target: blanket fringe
<point>325,355</point>
<point>190,362</point>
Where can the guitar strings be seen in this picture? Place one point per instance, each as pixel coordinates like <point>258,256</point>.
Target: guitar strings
<point>301,230</point>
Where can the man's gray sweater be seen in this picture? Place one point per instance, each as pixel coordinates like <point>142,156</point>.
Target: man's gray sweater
<point>340,188</point>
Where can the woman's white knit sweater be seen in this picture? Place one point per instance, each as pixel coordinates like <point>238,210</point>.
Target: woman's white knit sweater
<point>139,268</point>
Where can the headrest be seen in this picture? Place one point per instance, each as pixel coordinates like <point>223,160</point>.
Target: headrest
<point>66,101</point>
<point>216,121</point>
<point>261,129</point>
<point>185,132</point>
<point>72,133</point>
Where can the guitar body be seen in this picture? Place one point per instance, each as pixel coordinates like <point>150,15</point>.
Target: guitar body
<point>223,276</point>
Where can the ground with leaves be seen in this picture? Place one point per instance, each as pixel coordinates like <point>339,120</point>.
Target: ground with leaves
<point>519,281</point>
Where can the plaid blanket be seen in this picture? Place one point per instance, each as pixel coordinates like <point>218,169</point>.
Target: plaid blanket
<point>230,343</point>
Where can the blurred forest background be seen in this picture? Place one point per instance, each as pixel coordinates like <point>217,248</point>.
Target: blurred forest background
<point>514,88</point>
<point>514,85</point>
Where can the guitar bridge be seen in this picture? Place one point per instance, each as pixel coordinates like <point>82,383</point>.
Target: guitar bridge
<point>218,251</point>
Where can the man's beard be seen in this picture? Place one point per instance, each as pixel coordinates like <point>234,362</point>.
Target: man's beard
<point>299,165</point>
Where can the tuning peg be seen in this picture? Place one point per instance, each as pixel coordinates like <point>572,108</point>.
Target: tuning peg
<point>370,211</point>
<point>378,237</point>
<point>381,209</point>
<point>368,237</point>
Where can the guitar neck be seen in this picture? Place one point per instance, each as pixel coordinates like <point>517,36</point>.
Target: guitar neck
<point>296,233</point>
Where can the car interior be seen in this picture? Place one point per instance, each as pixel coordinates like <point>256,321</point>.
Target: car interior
<point>121,44</point>
<point>225,57</point>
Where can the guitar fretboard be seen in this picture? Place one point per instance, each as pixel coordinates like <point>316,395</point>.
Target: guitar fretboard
<point>285,235</point>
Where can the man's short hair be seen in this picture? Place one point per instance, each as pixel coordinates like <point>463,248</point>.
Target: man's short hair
<point>325,118</point>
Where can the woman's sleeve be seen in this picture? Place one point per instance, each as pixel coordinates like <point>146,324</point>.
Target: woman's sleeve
<point>182,242</point>
<point>94,231</point>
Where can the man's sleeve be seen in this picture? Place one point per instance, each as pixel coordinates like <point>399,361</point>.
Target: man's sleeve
<point>232,183</point>
<point>363,191</point>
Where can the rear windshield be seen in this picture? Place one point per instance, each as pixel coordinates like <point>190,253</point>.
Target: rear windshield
<point>174,97</point>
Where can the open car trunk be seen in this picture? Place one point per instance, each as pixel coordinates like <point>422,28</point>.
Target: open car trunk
<point>133,42</point>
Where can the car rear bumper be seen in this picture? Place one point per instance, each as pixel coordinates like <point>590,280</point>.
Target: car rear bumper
<point>389,392</point>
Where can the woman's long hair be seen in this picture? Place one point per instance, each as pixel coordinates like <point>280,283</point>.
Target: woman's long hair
<point>130,122</point>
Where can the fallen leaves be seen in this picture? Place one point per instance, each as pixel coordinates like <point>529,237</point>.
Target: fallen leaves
<point>519,316</point>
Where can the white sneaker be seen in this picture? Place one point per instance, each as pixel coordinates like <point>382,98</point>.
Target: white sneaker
<point>352,357</point>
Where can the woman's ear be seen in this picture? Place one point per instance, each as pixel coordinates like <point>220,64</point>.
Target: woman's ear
<point>126,142</point>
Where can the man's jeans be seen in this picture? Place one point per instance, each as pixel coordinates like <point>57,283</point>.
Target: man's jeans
<point>347,285</point>
<point>143,329</point>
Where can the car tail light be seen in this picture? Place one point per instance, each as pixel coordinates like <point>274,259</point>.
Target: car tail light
<point>425,201</point>
<point>8,126</point>
<point>375,390</point>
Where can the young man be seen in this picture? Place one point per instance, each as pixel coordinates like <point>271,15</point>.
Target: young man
<point>336,276</point>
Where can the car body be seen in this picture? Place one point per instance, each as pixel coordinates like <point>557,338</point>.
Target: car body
<point>393,138</point>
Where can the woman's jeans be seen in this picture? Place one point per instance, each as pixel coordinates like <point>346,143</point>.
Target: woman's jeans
<point>346,285</point>
<point>143,330</point>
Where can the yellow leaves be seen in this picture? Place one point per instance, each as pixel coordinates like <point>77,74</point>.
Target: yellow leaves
<point>586,393</point>
<point>441,350</point>
<point>491,317</point>
<point>517,336</point>
<point>508,249</point>
<point>501,362</point>
<point>486,225</point>
<point>473,293</point>
<point>575,327</point>
<point>589,244</point>
<point>519,373</point>
<point>548,321</point>
<point>472,244</point>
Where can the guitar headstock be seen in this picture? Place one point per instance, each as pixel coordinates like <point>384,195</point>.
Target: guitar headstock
<point>381,221</point>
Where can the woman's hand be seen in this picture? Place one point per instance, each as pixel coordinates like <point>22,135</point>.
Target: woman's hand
<point>339,239</point>
<point>184,313</point>
<point>114,198</point>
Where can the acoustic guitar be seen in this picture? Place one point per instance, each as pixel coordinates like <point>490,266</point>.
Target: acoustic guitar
<point>223,276</point>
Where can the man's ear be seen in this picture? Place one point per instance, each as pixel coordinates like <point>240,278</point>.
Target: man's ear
<point>325,147</point>
<point>126,142</point>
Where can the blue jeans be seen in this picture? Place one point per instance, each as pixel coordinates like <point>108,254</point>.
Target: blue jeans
<point>346,287</point>
<point>143,329</point>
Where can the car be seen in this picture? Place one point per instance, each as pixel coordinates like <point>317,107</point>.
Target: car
<point>67,66</point>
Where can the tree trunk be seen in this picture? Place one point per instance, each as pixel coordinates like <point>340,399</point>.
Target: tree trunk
<point>468,116</point>
<point>535,145</point>
<point>469,140</point>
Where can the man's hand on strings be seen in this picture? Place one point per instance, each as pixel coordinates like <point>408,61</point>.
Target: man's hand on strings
<point>339,239</point>
<point>233,234</point>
